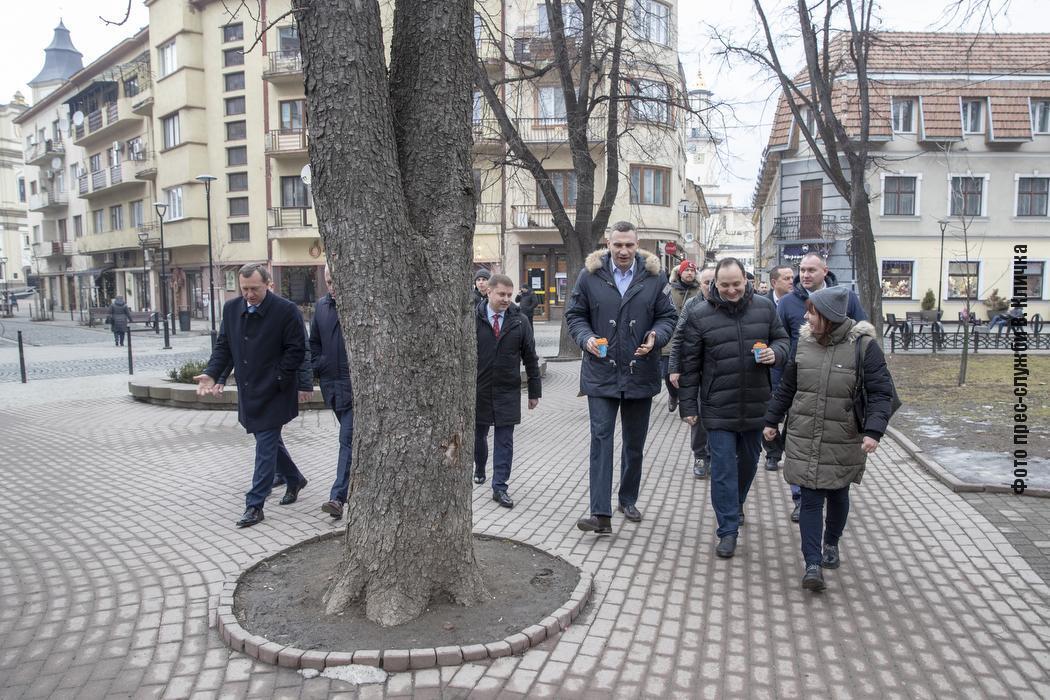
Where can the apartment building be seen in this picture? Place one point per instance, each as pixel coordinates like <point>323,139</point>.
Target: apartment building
<point>960,138</point>
<point>15,251</point>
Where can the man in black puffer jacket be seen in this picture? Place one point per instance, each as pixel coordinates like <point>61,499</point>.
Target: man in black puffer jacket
<point>717,355</point>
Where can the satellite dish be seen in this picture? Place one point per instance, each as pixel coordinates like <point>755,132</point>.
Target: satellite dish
<point>304,174</point>
<point>687,237</point>
<point>56,163</point>
<point>78,118</point>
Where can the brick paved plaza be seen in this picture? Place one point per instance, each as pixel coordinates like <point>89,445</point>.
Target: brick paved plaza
<point>119,531</point>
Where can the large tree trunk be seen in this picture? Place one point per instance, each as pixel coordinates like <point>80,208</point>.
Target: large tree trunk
<point>390,159</point>
<point>865,259</point>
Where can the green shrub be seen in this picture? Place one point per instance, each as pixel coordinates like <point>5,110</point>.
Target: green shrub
<point>929,301</point>
<point>188,370</point>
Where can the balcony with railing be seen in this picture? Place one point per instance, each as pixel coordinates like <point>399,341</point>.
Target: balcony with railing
<point>45,201</point>
<point>534,217</point>
<point>142,98</point>
<point>106,181</point>
<point>809,227</point>
<point>291,222</point>
<point>489,51</point>
<point>52,249</point>
<point>104,122</point>
<point>286,143</point>
<point>488,213</point>
<point>487,134</point>
<point>555,130</point>
<point>283,66</point>
<point>539,47</point>
<point>143,164</point>
<point>43,152</point>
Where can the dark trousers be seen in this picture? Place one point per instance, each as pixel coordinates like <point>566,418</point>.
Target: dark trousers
<point>811,514</point>
<point>502,453</point>
<point>672,391</point>
<point>634,424</point>
<point>734,461</point>
<point>775,447</point>
<point>118,337</point>
<point>346,442</point>
<point>270,456</point>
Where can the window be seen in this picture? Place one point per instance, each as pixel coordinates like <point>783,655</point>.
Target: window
<point>78,226</point>
<point>116,217</point>
<point>238,206</point>
<point>237,155</point>
<point>239,232</point>
<point>1032,196</point>
<point>293,114</point>
<point>288,39</point>
<point>98,221</point>
<point>967,196</point>
<point>170,125</point>
<point>898,196</point>
<point>136,214</point>
<point>21,189</point>
<point>479,29</point>
<point>571,17</point>
<point>32,187</point>
<point>231,276</point>
<point>166,61</point>
<point>294,192</point>
<point>650,102</point>
<point>650,185</point>
<point>36,235</point>
<point>962,279</point>
<point>174,197</point>
<point>233,81</point>
<point>652,21</point>
<point>136,149</point>
<point>234,105</point>
<point>478,101</point>
<point>1033,274</point>
<point>564,182</point>
<point>63,235</point>
<point>94,164</point>
<point>1041,116</point>
<point>236,131</point>
<point>973,117</point>
<point>232,57</point>
<point>236,182</point>
<point>131,86</point>
<point>551,104</point>
<point>896,279</point>
<point>903,115</point>
<point>233,32</point>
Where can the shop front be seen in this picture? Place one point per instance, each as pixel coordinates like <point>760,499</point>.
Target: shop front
<point>544,269</point>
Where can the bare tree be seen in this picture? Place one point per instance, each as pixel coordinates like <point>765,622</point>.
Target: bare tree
<point>615,90</point>
<point>815,98</point>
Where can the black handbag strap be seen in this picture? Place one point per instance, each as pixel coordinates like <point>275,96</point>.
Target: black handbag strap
<point>859,363</point>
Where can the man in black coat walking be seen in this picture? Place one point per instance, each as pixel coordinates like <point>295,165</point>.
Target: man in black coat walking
<point>620,297</point>
<point>527,301</point>
<point>329,360</point>
<point>263,340</point>
<point>505,341</point>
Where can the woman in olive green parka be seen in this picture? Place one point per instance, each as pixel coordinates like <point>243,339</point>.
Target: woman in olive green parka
<point>825,449</point>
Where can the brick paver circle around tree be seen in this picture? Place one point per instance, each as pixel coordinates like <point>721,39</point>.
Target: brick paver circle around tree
<point>119,539</point>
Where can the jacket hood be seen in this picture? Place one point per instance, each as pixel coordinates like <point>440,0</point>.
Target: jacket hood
<point>850,331</point>
<point>735,306</point>
<point>600,257</point>
<point>803,293</point>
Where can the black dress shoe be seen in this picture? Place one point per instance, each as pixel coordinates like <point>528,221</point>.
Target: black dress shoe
<point>830,560</point>
<point>795,513</point>
<point>598,524</point>
<point>672,404</point>
<point>741,514</point>
<point>503,499</point>
<point>726,546</point>
<point>479,477</point>
<point>631,513</point>
<point>333,508</point>
<point>813,579</point>
<point>292,494</point>
<point>252,516</point>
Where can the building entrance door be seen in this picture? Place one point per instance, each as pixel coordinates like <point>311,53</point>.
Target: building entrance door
<point>536,279</point>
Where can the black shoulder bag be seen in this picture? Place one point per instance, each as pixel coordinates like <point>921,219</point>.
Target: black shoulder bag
<point>860,394</point>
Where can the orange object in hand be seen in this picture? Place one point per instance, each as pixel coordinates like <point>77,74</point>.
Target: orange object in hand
<point>757,349</point>
<point>603,346</point>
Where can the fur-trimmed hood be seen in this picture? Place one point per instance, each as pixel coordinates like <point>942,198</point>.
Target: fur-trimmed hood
<point>595,260</point>
<point>849,335</point>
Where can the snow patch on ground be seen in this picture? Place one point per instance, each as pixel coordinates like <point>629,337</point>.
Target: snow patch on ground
<point>353,673</point>
<point>980,467</point>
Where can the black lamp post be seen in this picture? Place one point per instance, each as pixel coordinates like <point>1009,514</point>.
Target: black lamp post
<point>161,208</point>
<point>3,276</point>
<point>943,223</point>
<point>207,180</point>
<point>143,237</point>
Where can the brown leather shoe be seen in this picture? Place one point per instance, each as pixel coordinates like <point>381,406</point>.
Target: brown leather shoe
<point>333,508</point>
<point>598,524</point>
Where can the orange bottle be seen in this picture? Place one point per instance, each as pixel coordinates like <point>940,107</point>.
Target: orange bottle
<point>603,346</point>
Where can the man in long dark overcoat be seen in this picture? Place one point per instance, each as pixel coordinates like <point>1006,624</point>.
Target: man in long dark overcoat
<point>263,340</point>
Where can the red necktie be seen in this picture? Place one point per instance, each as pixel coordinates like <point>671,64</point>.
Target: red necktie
<point>495,324</point>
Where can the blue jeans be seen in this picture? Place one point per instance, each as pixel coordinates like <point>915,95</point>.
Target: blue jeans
<point>346,453</point>
<point>734,461</point>
<point>270,455</point>
<point>634,421</point>
<point>809,524</point>
<point>502,453</point>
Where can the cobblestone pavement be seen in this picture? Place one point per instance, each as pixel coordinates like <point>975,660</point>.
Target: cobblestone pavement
<point>120,516</point>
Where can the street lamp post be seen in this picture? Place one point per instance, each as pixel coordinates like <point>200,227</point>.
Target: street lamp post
<point>161,208</point>
<point>3,276</point>
<point>207,180</point>
<point>943,223</point>
<point>143,237</point>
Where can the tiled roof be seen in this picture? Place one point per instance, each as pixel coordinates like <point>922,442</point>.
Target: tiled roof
<point>930,52</point>
<point>941,117</point>
<point>1011,117</point>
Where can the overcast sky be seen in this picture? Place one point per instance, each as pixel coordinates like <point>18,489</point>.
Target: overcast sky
<point>22,55</point>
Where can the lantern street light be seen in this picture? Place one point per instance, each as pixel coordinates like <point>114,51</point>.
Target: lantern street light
<point>207,180</point>
<point>161,208</point>
<point>943,223</point>
<point>144,299</point>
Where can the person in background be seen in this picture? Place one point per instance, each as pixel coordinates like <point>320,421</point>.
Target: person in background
<point>481,285</point>
<point>825,448</point>
<point>781,277</point>
<point>119,317</point>
<point>527,301</point>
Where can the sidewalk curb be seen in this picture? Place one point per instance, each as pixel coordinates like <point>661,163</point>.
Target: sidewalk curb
<point>390,660</point>
<point>950,480</point>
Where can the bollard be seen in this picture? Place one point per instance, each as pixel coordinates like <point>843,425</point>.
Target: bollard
<point>21,357</point>
<point>131,363</point>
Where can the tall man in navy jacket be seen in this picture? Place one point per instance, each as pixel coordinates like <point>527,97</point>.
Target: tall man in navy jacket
<point>620,295</point>
<point>329,360</point>
<point>264,340</point>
